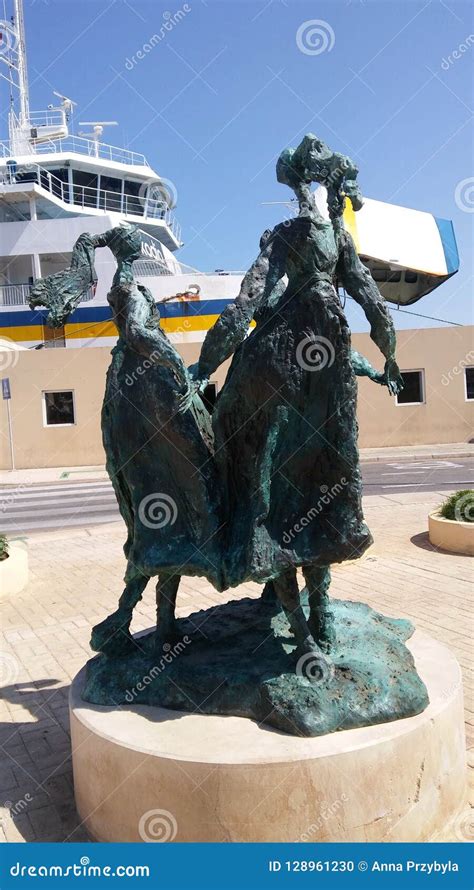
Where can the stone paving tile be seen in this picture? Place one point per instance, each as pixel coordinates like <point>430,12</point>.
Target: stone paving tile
<point>46,630</point>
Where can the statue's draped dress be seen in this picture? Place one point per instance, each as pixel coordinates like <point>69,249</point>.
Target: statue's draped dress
<point>285,426</point>
<point>159,459</point>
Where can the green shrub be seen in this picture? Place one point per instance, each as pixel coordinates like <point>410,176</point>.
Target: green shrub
<point>460,506</point>
<point>3,547</point>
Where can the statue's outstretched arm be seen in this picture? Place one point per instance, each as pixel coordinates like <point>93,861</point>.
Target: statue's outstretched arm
<point>232,325</point>
<point>360,285</point>
<point>363,368</point>
<point>151,343</point>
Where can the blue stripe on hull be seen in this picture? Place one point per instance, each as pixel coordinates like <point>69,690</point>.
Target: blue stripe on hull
<point>103,313</point>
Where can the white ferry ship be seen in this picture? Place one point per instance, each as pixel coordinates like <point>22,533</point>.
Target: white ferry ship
<point>54,185</point>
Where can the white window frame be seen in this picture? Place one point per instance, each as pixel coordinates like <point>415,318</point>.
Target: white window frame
<point>423,388</point>
<point>467,368</point>
<point>51,426</point>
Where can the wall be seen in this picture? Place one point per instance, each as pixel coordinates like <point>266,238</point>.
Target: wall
<point>446,416</point>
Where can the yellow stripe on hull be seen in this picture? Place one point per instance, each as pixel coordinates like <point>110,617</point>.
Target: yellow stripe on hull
<point>23,332</point>
<point>183,324</point>
<point>95,329</point>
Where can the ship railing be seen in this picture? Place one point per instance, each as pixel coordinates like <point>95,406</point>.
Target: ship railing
<point>80,145</point>
<point>19,294</point>
<point>146,268</point>
<point>87,197</point>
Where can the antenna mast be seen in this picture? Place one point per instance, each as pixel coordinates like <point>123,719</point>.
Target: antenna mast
<point>21,63</point>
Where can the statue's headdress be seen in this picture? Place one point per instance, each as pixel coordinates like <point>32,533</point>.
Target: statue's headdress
<point>313,161</point>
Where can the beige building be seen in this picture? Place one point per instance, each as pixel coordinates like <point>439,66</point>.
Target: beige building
<point>56,397</point>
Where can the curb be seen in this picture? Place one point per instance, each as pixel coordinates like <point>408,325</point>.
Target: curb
<point>366,459</point>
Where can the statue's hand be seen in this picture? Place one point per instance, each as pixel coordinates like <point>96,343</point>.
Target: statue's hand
<point>185,397</point>
<point>379,377</point>
<point>200,382</point>
<point>193,371</point>
<point>393,378</point>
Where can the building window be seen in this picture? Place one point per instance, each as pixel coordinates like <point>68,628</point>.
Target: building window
<point>413,392</point>
<point>58,408</point>
<point>469,378</point>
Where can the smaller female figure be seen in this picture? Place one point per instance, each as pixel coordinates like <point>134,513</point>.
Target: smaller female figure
<point>158,443</point>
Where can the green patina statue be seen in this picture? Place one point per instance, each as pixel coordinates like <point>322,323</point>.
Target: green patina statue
<point>267,486</point>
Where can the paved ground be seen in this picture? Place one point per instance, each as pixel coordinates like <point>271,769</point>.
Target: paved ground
<point>75,580</point>
<point>70,501</point>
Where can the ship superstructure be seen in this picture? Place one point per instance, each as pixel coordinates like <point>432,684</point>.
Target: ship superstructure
<point>54,185</point>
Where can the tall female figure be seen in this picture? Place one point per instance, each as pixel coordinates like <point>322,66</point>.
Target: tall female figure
<point>285,422</point>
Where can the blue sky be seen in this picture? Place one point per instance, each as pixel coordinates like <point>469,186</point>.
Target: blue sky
<point>227,88</point>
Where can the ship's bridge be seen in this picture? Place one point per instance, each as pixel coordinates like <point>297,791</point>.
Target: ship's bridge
<point>77,176</point>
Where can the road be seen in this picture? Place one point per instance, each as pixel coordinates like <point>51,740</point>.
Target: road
<point>67,504</point>
<point>418,475</point>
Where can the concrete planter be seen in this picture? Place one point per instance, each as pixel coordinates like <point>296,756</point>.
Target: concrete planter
<point>14,569</point>
<point>457,537</point>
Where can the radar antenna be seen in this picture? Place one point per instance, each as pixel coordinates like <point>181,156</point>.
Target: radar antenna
<point>98,129</point>
<point>66,103</point>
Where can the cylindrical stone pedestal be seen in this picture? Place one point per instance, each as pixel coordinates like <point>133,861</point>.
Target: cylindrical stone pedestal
<point>150,774</point>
